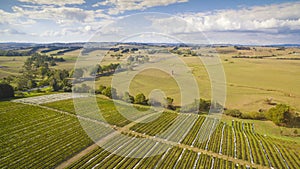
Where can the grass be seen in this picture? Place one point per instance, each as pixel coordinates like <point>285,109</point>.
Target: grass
<point>249,82</point>
<point>10,65</point>
<point>266,128</point>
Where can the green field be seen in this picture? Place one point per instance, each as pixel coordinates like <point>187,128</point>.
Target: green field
<point>46,136</point>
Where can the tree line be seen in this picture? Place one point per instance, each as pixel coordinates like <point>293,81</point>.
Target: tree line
<point>281,115</point>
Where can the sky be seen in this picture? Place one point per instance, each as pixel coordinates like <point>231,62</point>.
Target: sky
<point>217,21</point>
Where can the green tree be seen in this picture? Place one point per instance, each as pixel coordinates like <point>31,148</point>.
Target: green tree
<point>110,92</point>
<point>101,89</point>
<point>6,91</point>
<point>140,99</point>
<point>279,114</point>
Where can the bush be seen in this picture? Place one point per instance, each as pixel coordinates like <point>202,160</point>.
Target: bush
<point>100,90</point>
<point>140,99</point>
<point>234,113</point>
<point>6,91</point>
<point>253,115</point>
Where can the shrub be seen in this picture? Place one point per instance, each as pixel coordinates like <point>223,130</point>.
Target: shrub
<point>234,113</point>
<point>253,115</point>
<point>100,90</point>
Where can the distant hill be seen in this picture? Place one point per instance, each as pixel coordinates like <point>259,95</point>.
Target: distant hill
<point>16,45</point>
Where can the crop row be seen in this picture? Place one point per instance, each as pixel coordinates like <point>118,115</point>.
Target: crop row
<point>33,137</point>
<point>107,110</point>
<point>238,140</point>
<point>129,152</point>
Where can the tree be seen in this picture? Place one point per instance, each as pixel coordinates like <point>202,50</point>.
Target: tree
<point>110,92</point>
<point>204,105</point>
<point>128,98</point>
<point>21,82</point>
<point>6,91</point>
<point>279,114</point>
<point>140,99</point>
<point>169,102</point>
<point>54,84</point>
<point>101,89</point>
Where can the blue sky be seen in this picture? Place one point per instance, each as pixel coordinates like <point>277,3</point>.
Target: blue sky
<point>221,21</point>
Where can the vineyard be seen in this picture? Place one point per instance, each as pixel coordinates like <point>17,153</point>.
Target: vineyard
<point>32,137</point>
<point>47,135</point>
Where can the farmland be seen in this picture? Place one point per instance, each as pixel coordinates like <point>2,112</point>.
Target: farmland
<point>48,131</point>
<point>49,134</point>
<point>249,81</point>
<point>37,138</point>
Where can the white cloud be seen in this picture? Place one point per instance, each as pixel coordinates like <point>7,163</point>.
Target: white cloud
<point>11,32</point>
<point>261,18</point>
<point>54,2</point>
<point>119,6</point>
<point>60,15</point>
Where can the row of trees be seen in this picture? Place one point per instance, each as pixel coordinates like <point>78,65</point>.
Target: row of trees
<point>16,52</point>
<point>198,106</point>
<point>138,99</point>
<point>105,69</point>
<point>281,114</point>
